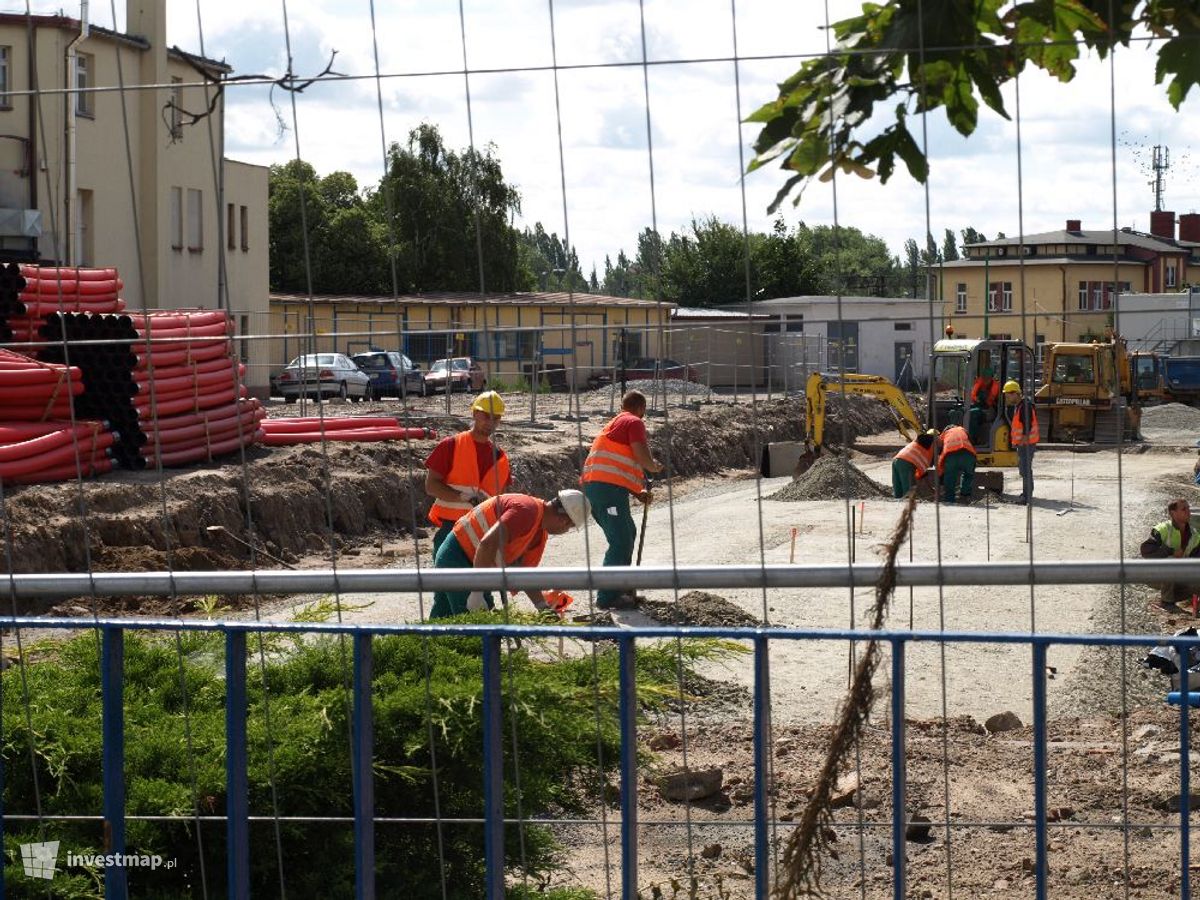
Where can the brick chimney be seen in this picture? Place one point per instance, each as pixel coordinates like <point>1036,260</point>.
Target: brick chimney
<point>1162,224</point>
<point>1189,227</point>
<point>1074,225</point>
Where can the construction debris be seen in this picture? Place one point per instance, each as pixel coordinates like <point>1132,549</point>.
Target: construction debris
<point>699,608</point>
<point>831,478</point>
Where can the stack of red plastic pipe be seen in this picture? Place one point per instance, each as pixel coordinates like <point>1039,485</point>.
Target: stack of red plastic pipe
<point>33,391</point>
<point>50,290</point>
<point>190,396</point>
<point>313,429</point>
<point>53,451</point>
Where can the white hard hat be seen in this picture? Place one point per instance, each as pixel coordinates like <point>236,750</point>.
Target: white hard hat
<point>575,505</point>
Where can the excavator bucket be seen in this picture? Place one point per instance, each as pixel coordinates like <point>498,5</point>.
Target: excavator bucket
<point>805,461</point>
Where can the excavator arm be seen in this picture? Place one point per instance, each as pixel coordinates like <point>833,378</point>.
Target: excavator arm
<point>815,396</point>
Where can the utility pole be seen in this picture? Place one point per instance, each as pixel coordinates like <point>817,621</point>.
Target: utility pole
<point>1160,161</point>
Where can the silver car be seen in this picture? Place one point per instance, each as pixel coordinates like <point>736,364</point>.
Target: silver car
<point>323,375</point>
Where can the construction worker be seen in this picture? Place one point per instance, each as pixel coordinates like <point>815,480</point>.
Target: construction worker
<point>985,394</point>
<point>1174,539</point>
<point>911,462</point>
<point>467,468</point>
<point>508,530</point>
<point>1023,435</point>
<point>956,464</point>
<point>613,472</point>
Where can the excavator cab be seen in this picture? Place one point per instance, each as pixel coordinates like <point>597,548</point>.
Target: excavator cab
<point>968,378</point>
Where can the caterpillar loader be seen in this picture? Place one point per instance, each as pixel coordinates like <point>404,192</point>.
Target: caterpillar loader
<point>1090,392</point>
<point>955,364</point>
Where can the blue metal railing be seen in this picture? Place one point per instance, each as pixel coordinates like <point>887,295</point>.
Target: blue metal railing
<point>362,733</point>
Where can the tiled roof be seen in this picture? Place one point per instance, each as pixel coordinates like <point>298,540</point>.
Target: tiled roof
<point>473,298</point>
<point>1083,238</point>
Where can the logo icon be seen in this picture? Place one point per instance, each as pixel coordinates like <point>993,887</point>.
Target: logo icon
<point>40,860</point>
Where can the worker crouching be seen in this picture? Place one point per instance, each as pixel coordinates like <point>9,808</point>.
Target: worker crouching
<point>509,531</point>
<point>1174,539</point>
<point>956,464</point>
<point>911,463</point>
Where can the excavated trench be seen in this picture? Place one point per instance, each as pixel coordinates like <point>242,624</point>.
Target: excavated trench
<point>198,518</point>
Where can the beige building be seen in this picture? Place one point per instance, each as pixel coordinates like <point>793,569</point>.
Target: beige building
<point>508,333</point>
<point>1062,285</point>
<point>93,175</point>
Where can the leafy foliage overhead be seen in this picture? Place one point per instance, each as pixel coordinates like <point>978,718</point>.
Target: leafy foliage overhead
<point>931,54</point>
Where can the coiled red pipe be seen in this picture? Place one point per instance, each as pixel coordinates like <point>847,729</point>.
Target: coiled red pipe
<point>42,446</point>
<point>59,456</point>
<point>180,353</point>
<point>286,438</point>
<point>181,456</point>
<point>64,472</point>
<point>14,432</point>
<point>331,423</point>
<point>37,273</point>
<point>190,403</point>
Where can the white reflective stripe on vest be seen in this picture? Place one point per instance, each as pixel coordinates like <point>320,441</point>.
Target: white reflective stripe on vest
<point>476,520</point>
<point>613,470</point>
<point>615,457</point>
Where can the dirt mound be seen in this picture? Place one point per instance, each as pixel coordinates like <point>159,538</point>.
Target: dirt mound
<point>699,608</point>
<point>849,418</point>
<point>1171,417</point>
<point>831,478</point>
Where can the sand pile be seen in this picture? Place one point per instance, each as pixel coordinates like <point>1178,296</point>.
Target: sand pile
<point>831,478</point>
<point>1171,422</point>
<point>698,608</point>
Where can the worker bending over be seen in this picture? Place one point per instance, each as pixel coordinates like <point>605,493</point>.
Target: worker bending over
<point>911,462</point>
<point>1023,435</point>
<point>506,531</point>
<point>467,468</point>
<point>613,472</point>
<point>956,464</point>
<point>1174,539</point>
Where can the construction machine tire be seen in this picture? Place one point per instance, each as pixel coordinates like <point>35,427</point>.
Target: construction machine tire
<point>990,480</point>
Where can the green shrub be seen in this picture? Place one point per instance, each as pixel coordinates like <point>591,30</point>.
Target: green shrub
<point>553,704</point>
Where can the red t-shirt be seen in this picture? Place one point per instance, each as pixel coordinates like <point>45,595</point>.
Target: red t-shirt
<point>518,512</point>
<point>627,429</point>
<point>442,458</point>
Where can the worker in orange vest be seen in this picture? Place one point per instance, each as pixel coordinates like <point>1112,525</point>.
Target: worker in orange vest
<point>613,472</point>
<point>985,394</point>
<point>508,530</point>
<point>1023,435</point>
<point>467,468</point>
<point>911,462</point>
<point>956,464</point>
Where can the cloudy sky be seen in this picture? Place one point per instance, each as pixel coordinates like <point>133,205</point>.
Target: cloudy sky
<point>1066,158</point>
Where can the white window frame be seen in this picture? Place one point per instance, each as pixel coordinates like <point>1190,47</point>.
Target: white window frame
<point>84,64</point>
<point>6,100</point>
<point>1170,276</point>
<point>960,302</point>
<point>175,217</point>
<point>195,220</point>
<point>1097,295</point>
<point>1083,295</point>
<point>1007,296</point>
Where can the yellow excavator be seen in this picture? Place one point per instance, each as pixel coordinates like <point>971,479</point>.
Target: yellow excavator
<point>955,364</point>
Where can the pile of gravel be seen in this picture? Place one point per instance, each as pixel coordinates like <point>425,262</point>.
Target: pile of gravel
<point>831,478</point>
<point>674,387</point>
<point>698,608</point>
<point>1177,417</point>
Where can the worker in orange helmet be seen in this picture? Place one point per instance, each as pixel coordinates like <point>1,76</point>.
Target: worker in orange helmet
<point>509,530</point>
<point>1023,435</point>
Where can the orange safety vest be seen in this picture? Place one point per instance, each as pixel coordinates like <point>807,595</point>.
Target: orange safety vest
<point>464,474</point>
<point>1018,435</point>
<point>612,462</point>
<point>919,457</point>
<point>955,439</point>
<point>520,550</point>
<point>992,390</point>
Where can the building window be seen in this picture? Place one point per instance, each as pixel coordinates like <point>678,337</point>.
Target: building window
<point>175,215</point>
<point>84,63</point>
<point>230,234</point>
<point>1000,296</point>
<point>1008,296</point>
<point>960,304</point>
<point>195,220</point>
<point>516,344</point>
<point>176,107</point>
<point>245,228</point>
<point>903,326</point>
<point>5,77</point>
<point>1083,295</point>
<point>1170,278</point>
<point>1097,295</point>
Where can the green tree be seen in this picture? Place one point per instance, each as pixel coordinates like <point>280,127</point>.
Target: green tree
<point>437,199</point>
<point>846,261</point>
<point>912,269</point>
<point>949,55</point>
<point>551,265</point>
<point>781,267</point>
<point>288,187</point>
<point>706,267</point>
<point>971,236</point>
<point>949,246</point>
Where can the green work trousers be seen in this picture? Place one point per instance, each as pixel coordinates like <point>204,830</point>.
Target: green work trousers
<point>440,535</point>
<point>904,475</point>
<point>610,509</point>
<point>451,555</point>
<point>959,477</point>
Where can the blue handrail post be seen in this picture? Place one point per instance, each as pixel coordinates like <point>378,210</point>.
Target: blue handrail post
<point>362,730</point>
<point>762,766</point>
<point>493,771</point>
<point>237,784</point>
<point>1039,767</point>
<point>112,694</point>
<point>1185,788</point>
<point>899,773</point>
<point>627,685</point>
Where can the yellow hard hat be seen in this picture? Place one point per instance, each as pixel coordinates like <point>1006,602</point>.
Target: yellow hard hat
<point>489,402</point>
<point>1011,386</point>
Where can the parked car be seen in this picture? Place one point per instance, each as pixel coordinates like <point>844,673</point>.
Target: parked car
<point>463,372</point>
<point>392,373</point>
<point>645,369</point>
<point>323,375</point>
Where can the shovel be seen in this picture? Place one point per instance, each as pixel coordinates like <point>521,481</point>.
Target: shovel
<point>642,530</point>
